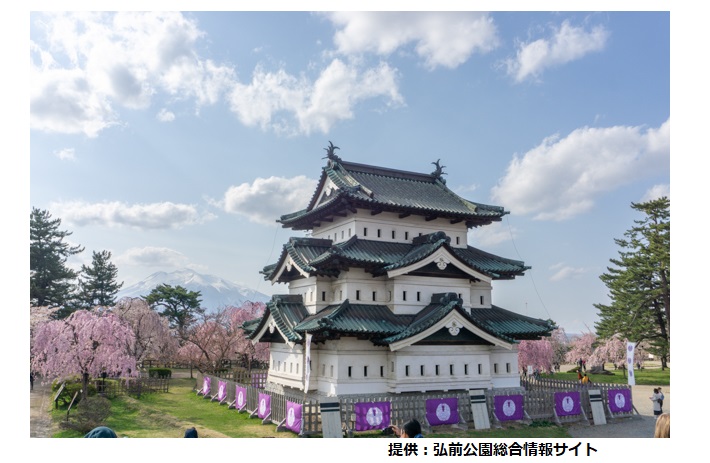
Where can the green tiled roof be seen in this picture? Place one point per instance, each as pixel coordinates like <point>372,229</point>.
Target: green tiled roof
<point>355,319</point>
<point>501,322</point>
<point>286,310</point>
<point>382,189</point>
<point>321,257</point>
<point>382,327</point>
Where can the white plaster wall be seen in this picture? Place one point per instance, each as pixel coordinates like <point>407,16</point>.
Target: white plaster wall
<point>405,230</point>
<point>339,368</point>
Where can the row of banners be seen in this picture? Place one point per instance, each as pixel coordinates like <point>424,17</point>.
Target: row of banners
<point>376,415</point>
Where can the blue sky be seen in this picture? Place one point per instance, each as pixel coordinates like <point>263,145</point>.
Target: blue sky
<point>177,139</point>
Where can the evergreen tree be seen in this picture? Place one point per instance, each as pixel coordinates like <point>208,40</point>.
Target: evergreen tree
<point>51,280</point>
<point>179,305</point>
<point>98,285</point>
<point>639,282</point>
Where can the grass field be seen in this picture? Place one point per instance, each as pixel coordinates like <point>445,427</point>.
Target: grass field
<point>169,414</point>
<point>651,376</point>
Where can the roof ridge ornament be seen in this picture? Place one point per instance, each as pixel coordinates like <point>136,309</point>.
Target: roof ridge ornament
<point>330,153</point>
<point>439,171</point>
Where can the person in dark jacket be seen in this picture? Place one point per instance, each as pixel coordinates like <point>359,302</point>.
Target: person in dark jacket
<point>191,432</point>
<point>101,431</point>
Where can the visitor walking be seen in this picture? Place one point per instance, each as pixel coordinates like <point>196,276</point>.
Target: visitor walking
<point>32,381</point>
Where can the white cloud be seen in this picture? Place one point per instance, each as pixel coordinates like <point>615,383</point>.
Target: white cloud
<point>287,104</point>
<point>165,116</point>
<point>266,199</point>
<point>565,272</point>
<point>445,39</point>
<point>491,235</point>
<point>657,191</point>
<point>66,154</point>
<point>86,67</point>
<point>87,63</point>
<point>562,177</point>
<point>165,215</point>
<point>153,257</point>
<point>567,43</point>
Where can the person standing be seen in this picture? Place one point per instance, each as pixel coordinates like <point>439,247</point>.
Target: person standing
<point>656,398</point>
<point>32,381</point>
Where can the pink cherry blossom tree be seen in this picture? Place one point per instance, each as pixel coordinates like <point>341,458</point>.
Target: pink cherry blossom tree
<point>538,354</point>
<point>219,337</point>
<point>581,348</point>
<point>153,337</point>
<point>613,350</point>
<point>86,343</point>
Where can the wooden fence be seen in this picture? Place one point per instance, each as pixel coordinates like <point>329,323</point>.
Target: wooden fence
<point>539,402</point>
<point>113,387</point>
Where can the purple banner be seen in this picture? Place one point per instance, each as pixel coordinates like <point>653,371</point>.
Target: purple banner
<point>240,397</point>
<point>508,407</point>
<point>567,403</point>
<point>294,416</point>
<point>206,384</point>
<point>620,400</point>
<point>264,405</point>
<point>222,391</point>
<point>372,415</point>
<point>442,411</point>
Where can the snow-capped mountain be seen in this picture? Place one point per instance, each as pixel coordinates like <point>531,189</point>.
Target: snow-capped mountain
<point>216,292</point>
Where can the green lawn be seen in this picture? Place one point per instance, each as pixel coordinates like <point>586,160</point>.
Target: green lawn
<point>646,376</point>
<point>169,414</point>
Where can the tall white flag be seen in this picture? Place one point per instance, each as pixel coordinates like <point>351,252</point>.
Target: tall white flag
<point>630,346</point>
<point>307,366</point>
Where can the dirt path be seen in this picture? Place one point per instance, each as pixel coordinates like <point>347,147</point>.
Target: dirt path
<point>40,421</point>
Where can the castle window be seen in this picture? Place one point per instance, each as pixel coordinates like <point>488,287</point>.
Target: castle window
<point>382,371</point>
<point>406,370</point>
<point>480,369</point>
<point>342,234</point>
<point>406,235</point>
<point>436,370</point>
<point>451,369</point>
<point>279,367</point>
<point>419,296</point>
<point>379,233</point>
<point>465,369</point>
<point>290,367</point>
<point>458,240</point>
<point>350,232</point>
<point>374,296</point>
<point>393,234</point>
<point>341,295</point>
<point>357,295</point>
<point>350,372</point>
<point>459,295</point>
<point>495,368</point>
<point>507,367</point>
<point>322,296</point>
<point>392,367</point>
<point>364,371</point>
<point>404,295</point>
<point>331,371</point>
<point>364,231</point>
<point>421,370</point>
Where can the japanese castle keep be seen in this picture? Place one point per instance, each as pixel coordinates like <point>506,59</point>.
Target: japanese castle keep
<point>388,291</point>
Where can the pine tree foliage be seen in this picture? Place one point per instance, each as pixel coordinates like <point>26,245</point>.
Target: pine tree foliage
<point>97,283</point>
<point>639,282</point>
<point>178,304</point>
<point>51,281</point>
